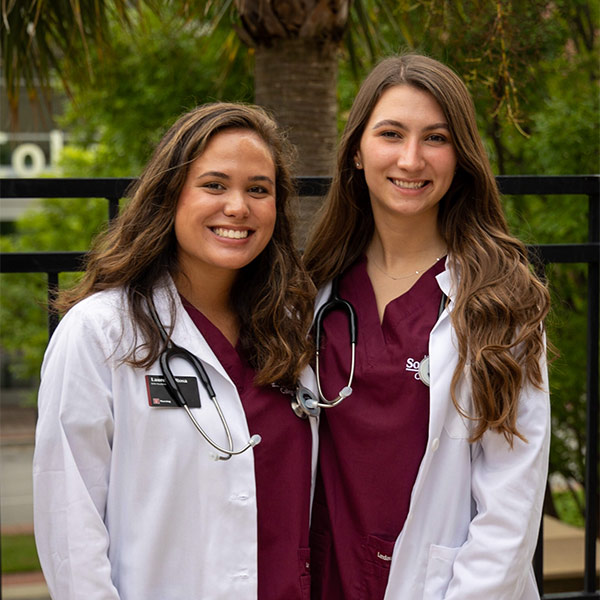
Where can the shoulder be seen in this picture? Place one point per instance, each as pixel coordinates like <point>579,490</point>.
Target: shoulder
<point>101,316</point>
<point>101,306</point>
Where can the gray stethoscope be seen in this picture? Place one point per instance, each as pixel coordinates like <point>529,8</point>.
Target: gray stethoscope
<point>306,404</point>
<point>172,351</point>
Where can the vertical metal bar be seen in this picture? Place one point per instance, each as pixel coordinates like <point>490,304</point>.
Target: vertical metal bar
<point>591,459</point>
<point>52,294</point>
<point>113,209</point>
<point>538,559</point>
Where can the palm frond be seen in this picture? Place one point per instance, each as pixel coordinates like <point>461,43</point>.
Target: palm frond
<point>37,35</point>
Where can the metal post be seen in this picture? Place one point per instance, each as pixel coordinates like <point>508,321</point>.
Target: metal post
<point>52,294</point>
<point>113,209</point>
<point>591,458</point>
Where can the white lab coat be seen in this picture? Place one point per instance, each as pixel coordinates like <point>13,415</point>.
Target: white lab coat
<point>127,501</point>
<point>475,509</point>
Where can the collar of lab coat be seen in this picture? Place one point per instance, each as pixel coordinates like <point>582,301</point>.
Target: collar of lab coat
<point>185,332</point>
<point>445,279</point>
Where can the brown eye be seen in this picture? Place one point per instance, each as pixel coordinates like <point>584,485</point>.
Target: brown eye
<point>437,137</point>
<point>213,185</point>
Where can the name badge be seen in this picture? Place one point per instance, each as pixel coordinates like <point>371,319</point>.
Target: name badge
<point>158,393</point>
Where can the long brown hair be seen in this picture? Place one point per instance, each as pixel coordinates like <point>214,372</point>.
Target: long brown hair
<point>500,304</point>
<point>272,295</point>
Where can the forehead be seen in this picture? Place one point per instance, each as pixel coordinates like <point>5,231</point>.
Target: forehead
<point>239,137</point>
<point>408,102</point>
<point>239,147</point>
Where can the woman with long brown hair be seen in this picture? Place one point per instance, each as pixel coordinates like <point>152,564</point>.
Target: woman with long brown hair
<point>432,469</point>
<point>168,463</point>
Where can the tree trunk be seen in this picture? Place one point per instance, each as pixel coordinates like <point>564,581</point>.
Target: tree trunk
<point>297,80</point>
<point>296,46</point>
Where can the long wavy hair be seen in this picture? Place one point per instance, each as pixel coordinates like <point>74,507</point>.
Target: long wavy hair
<point>272,296</point>
<point>500,304</point>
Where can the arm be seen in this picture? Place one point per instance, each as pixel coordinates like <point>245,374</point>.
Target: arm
<point>508,489</point>
<point>72,461</point>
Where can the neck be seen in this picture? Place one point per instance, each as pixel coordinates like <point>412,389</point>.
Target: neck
<point>211,297</point>
<point>397,256</point>
<point>396,249</point>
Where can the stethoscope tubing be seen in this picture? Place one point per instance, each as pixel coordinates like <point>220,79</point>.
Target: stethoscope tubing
<point>311,405</point>
<point>172,350</point>
<point>335,302</point>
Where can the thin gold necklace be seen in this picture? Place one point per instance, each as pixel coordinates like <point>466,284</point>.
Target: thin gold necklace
<point>411,274</point>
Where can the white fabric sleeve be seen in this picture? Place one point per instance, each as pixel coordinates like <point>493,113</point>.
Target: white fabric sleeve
<point>72,461</point>
<point>508,488</point>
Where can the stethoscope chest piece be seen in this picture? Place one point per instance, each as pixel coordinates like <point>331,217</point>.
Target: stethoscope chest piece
<point>424,371</point>
<point>305,403</point>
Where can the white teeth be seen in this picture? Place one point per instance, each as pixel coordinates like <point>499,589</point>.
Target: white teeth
<point>409,185</point>
<point>234,234</point>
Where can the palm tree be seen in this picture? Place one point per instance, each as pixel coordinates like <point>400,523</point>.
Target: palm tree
<point>35,34</point>
<point>296,46</point>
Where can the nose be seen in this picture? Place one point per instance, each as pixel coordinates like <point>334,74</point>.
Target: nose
<point>236,205</point>
<point>410,156</point>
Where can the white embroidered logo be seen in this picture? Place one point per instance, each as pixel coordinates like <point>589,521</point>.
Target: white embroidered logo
<point>412,366</point>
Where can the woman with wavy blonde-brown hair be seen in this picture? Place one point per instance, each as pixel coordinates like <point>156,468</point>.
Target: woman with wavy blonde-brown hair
<point>432,472</point>
<point>151,480</point>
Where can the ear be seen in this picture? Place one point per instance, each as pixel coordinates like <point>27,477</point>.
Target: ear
<point>358,163</point>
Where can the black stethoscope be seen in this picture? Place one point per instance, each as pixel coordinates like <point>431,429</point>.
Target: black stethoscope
<point>307,403</point>
<point>174,351</point>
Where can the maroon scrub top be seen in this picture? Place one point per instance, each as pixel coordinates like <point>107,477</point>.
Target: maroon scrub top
<point>370,445</point>
<point>282,466</point>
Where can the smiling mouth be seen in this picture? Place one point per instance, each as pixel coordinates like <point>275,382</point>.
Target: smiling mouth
<point>232,234</point>
<point>409,185</point>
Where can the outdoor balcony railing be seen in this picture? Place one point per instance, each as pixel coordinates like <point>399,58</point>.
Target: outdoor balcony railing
<point>53,263</point>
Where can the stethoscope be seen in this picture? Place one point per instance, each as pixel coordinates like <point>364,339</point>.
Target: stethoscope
<point>307,403</point>
<point>174,351</point>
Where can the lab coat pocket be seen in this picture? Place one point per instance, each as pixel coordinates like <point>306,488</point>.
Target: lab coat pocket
<point>304,569</point>
<point>377,557</point>
<point>439,571</point>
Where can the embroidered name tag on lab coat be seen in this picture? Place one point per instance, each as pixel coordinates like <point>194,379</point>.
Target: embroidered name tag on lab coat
<point>158,394</point>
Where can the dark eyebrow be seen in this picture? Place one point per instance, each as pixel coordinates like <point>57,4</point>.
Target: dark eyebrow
<point>225,176</point>
<point>262,178</point>
<point>399,125</point>
<point>213,174</point>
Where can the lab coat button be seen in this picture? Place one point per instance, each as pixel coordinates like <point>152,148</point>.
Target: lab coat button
<point>435,444</point>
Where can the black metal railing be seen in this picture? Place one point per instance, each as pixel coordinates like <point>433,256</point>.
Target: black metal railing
<point>113,189</point>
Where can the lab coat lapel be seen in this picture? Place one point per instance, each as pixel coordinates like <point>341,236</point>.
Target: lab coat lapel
<point>442,361</point>
<point>442,358</point>
<point>186,333</point>
<point>323,296</point>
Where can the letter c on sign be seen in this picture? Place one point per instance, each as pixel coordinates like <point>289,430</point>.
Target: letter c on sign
<point>20,155</point>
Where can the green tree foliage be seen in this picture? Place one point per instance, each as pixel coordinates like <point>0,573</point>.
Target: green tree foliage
<point>562,137</point>
<point>34,37</point>
<point>163,67</point>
